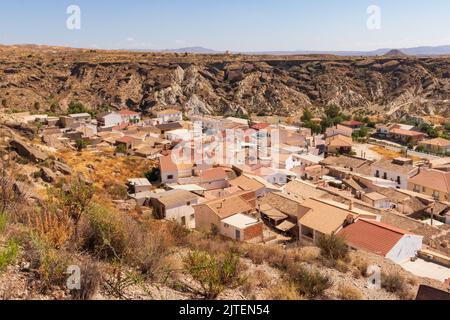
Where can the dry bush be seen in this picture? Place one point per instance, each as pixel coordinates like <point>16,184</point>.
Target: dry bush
<point>148,249</point>
<point>361,267</point>
<point>273,256</point>
<point>310,282</point>
<point>257,280</point>
<point>49,264</point>
<point>103,233</point>
<point>341,266</point>
<point>333,247</point>
<point>347,292</point>
<point>308,254</point>
<point>283,291</point>
<point>214,245</point>
<point>393,282</point>
<point>116,191</point>
<point>90,281</point>
<point>50,224</point>
<point>213,274</point>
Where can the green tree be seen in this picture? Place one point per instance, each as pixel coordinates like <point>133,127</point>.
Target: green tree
<point>332,111</point>
<point>80,144</point>
<point>307,116</point>
<point>76,107</point>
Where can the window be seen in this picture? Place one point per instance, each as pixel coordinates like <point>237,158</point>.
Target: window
<point>377,174</point>
<point>226,225</point>
<point>170,177</point>
<point>385,176</point>
<point>192,216</point>
<point>188,203</point>
<point>399,181</point>
<point>436,194</point>
<point>416,188</point>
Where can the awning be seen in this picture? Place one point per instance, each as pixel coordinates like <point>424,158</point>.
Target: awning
<point>273,213</point>
<point>286,226</point>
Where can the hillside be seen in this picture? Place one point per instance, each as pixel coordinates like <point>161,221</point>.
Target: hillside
<point>49,78</point>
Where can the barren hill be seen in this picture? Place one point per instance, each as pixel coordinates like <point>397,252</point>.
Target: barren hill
<point>48,78</point>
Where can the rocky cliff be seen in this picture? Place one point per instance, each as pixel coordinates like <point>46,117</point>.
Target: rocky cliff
<point>36,78</point>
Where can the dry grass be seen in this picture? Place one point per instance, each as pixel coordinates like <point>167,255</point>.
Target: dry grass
<point>108,169</point>
<point>284,291</point>
<point>361,267</point>
<point>347,292</point>
<point>254,281</point>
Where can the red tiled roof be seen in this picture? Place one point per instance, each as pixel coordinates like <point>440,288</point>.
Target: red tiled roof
<point>352,123</point>
<point>120,127</point>
<point>213,174</point>
<point>125,139</point>
<point>372,236</point>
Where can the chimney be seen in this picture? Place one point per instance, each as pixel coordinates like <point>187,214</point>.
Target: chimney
<point>350,207</point>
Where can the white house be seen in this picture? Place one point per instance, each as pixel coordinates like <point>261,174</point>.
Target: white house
<point>109,119</point>
<point>176,205</point>
<point>397,171</point>
<point>169,115</point>
<point>130,116</point>
<point>236,226</point>
<point>390,242</point>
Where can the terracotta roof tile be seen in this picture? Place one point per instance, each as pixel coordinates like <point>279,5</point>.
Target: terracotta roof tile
<point>372,236</point>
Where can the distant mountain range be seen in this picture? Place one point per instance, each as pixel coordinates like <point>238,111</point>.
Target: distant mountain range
<point>415,51</point>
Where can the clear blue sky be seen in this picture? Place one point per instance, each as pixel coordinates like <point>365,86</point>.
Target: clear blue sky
<point>238,25</point>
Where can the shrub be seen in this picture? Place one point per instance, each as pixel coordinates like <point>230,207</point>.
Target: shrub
<point>50,264</point>
<point>104,233</point>
<point>333,247</point>
<point>76,107</point>
<point>283,291</point>
<point>361,266</point>
<point>90,280</point>
<point>212,274</point>
<point>310,282</point>
<point>9,254</point>
<point>148,251</point>
<point>117,191</point>
<point>394,283</point>
<point>3,222</point>
<point>347,292</point>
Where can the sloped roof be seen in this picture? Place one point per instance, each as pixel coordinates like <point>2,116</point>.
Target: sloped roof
<point>440,142</point>
<point>282,202</point>
<point>324,217</point>
<point>247,184</point>
<point>433,179</point>
<point>372,236</point>
<point>174,198</point>
<point>339,141</point>
<point>228,206</point>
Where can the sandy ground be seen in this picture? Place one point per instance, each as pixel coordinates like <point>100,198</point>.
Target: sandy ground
<point>365,149</point>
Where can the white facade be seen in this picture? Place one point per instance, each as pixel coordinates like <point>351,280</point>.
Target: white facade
<point>234,226</point>
<point>398,178</point>
<point>406,248</point>
<point>183,214</point>
<point>170,117</point>
<point>112,119</point>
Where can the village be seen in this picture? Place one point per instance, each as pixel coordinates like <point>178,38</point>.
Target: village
<point>384,188</point>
